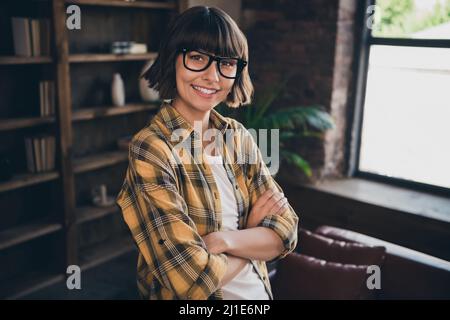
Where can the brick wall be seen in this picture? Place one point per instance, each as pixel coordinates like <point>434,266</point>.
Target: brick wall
<point>315,39</point>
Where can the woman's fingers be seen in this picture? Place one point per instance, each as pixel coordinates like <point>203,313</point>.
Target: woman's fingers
<point>281,205</point>
<point>274,204</point>
<point>263,198</point>
<point>270,202</point>
<point>265,208</point>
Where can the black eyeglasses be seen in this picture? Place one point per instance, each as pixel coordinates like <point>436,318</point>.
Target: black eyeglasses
<point>198,60</point>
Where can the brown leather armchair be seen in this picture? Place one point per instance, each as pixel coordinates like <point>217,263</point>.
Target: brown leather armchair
<point>405,273</point>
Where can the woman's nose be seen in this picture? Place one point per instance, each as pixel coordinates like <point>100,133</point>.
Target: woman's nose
<point>212,73</point>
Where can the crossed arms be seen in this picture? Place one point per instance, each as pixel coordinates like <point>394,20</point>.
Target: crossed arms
<point>184,263</point>
<point>254,243</point>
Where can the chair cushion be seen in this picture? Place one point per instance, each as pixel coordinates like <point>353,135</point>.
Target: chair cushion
<point>333,250</point>
<point>302,277</point>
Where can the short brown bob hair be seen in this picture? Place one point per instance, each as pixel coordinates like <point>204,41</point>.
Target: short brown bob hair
<point>207,28</point>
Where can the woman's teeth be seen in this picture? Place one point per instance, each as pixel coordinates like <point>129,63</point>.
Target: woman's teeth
<point>203,90</point>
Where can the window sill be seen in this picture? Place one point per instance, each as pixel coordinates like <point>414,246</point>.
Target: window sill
<point>384,195</point>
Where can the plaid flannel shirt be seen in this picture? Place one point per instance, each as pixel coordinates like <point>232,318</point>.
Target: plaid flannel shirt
<point>169,205</point>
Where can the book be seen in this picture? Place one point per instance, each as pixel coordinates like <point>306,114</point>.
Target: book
<point>29,154</point>
<point>41,99</point>
<point>51,97</point>
<point>52,153</point>
<point>37,154</point>
<point>21,36</point>
<point>138,48</point>
<point>35,37</point>
<point>31,36</point>
<point>47,98</point>
<point>43,150</point>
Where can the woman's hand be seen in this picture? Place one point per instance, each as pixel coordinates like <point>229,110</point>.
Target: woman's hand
<point>271,202</point>
<point>216,242</point>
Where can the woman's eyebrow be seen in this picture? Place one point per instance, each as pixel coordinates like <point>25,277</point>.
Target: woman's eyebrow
<point>209,52</point>
<point>217,55</point>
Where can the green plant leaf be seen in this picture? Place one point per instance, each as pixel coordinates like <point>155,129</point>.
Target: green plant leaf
<point>298,161</point>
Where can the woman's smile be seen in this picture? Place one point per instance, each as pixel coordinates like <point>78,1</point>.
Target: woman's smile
<point>204,93</point>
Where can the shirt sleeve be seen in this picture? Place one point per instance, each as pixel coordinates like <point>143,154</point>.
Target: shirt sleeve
<point>259,180</point>
<point>156,215</point>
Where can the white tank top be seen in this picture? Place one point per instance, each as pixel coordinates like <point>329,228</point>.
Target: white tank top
<point>246,285</point>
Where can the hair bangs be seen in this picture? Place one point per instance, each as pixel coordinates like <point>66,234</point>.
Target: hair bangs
<point>211,33</point>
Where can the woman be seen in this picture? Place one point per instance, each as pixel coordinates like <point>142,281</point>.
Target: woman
<point>203,222</point>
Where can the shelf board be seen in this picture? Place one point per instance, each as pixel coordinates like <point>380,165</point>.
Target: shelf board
<point>109,57</point>
<point>89,213</point>
<point>27,179</point>
<point>97,161</point>
<point>12,60</point>
<point>17,123</point>
<point>99,112</point>
<point>117,3</point>
<point>21,234</point>
<point>105,251</point>
<point>21,286</point>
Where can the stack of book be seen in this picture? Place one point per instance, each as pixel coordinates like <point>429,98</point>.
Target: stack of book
<point>40,152</point>
<point>47,98</point>
<point>31,36</point>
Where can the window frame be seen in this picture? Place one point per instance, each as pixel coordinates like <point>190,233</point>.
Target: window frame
<point>362,56</point>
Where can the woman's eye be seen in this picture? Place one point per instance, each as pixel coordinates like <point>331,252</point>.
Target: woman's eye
<point>196,57</point>
<point>228,63</point>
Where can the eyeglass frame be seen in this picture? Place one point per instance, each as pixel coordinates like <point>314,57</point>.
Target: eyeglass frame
<point>240,67</point>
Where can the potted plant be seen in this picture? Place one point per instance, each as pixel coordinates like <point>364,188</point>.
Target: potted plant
<point>295,122</point>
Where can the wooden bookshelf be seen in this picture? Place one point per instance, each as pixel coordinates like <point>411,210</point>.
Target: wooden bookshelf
<point>99,161</point>
<point>12,60</point>
<point>100,112</point>
<point>105,251</point>
<point>27,179</point>
<point>118,3</point>
<point>90,213</point>
<point>18,123</point>
<point>18,235</point>
<point>17,288</point>
<point>82,76</point>
<point>86,58</point>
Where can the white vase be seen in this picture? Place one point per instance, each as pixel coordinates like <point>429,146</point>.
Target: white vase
<point>147,94</point>
<point>117,90</point>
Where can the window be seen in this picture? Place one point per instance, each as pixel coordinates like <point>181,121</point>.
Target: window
<point>403,94</point>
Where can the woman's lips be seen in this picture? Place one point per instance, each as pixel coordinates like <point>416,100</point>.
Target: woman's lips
<point>204,95</point>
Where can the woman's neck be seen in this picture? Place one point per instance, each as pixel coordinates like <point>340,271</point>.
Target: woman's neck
<point>192,115</point>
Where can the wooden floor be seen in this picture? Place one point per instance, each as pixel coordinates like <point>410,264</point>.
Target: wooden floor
<point>114,280</point>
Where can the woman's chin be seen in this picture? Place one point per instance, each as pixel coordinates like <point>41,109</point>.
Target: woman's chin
<point>204,105</point>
